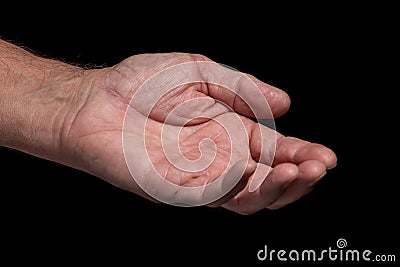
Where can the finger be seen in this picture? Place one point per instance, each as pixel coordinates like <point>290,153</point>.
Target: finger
<point>274,184</point>
<point>269,147</point>
<point>250,168</point>
<point>278,100</point>
<point>310,173</point>
<point>226,198</point>
<point>262,141</point>
<point>249,96</point>
<point>290,149</point>
<point>134,71</point>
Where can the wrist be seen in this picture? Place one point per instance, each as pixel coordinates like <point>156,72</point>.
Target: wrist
<point>36,95</point>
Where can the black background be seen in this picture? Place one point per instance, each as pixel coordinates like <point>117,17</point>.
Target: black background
<point>335,63</point>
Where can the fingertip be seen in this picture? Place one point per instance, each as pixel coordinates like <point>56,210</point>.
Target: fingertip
<point>281,176</point>
<point>328,157</point>
<point>279,102</point>
<point>312,169</point>
<point>333,166</point>
<point>330,160</point>
<point>317,152</point>
<point>291,170</point>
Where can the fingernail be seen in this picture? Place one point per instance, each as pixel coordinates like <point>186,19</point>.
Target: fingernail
<point>332,167</point>
<point>316,180</point>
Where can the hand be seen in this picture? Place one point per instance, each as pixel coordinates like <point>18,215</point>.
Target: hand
<point>92,137</point>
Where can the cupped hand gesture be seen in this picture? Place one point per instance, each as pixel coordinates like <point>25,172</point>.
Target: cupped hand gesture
<point>156,120</point>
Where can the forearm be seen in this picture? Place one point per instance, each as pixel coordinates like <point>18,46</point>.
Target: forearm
<point>35,95</point>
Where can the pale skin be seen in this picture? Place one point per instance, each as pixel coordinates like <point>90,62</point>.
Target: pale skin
<point>74,116</point>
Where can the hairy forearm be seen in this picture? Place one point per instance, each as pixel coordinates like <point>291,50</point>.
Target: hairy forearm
<point>35,96</point>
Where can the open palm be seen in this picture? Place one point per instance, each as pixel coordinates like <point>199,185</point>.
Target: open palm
<point>191,136</point>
